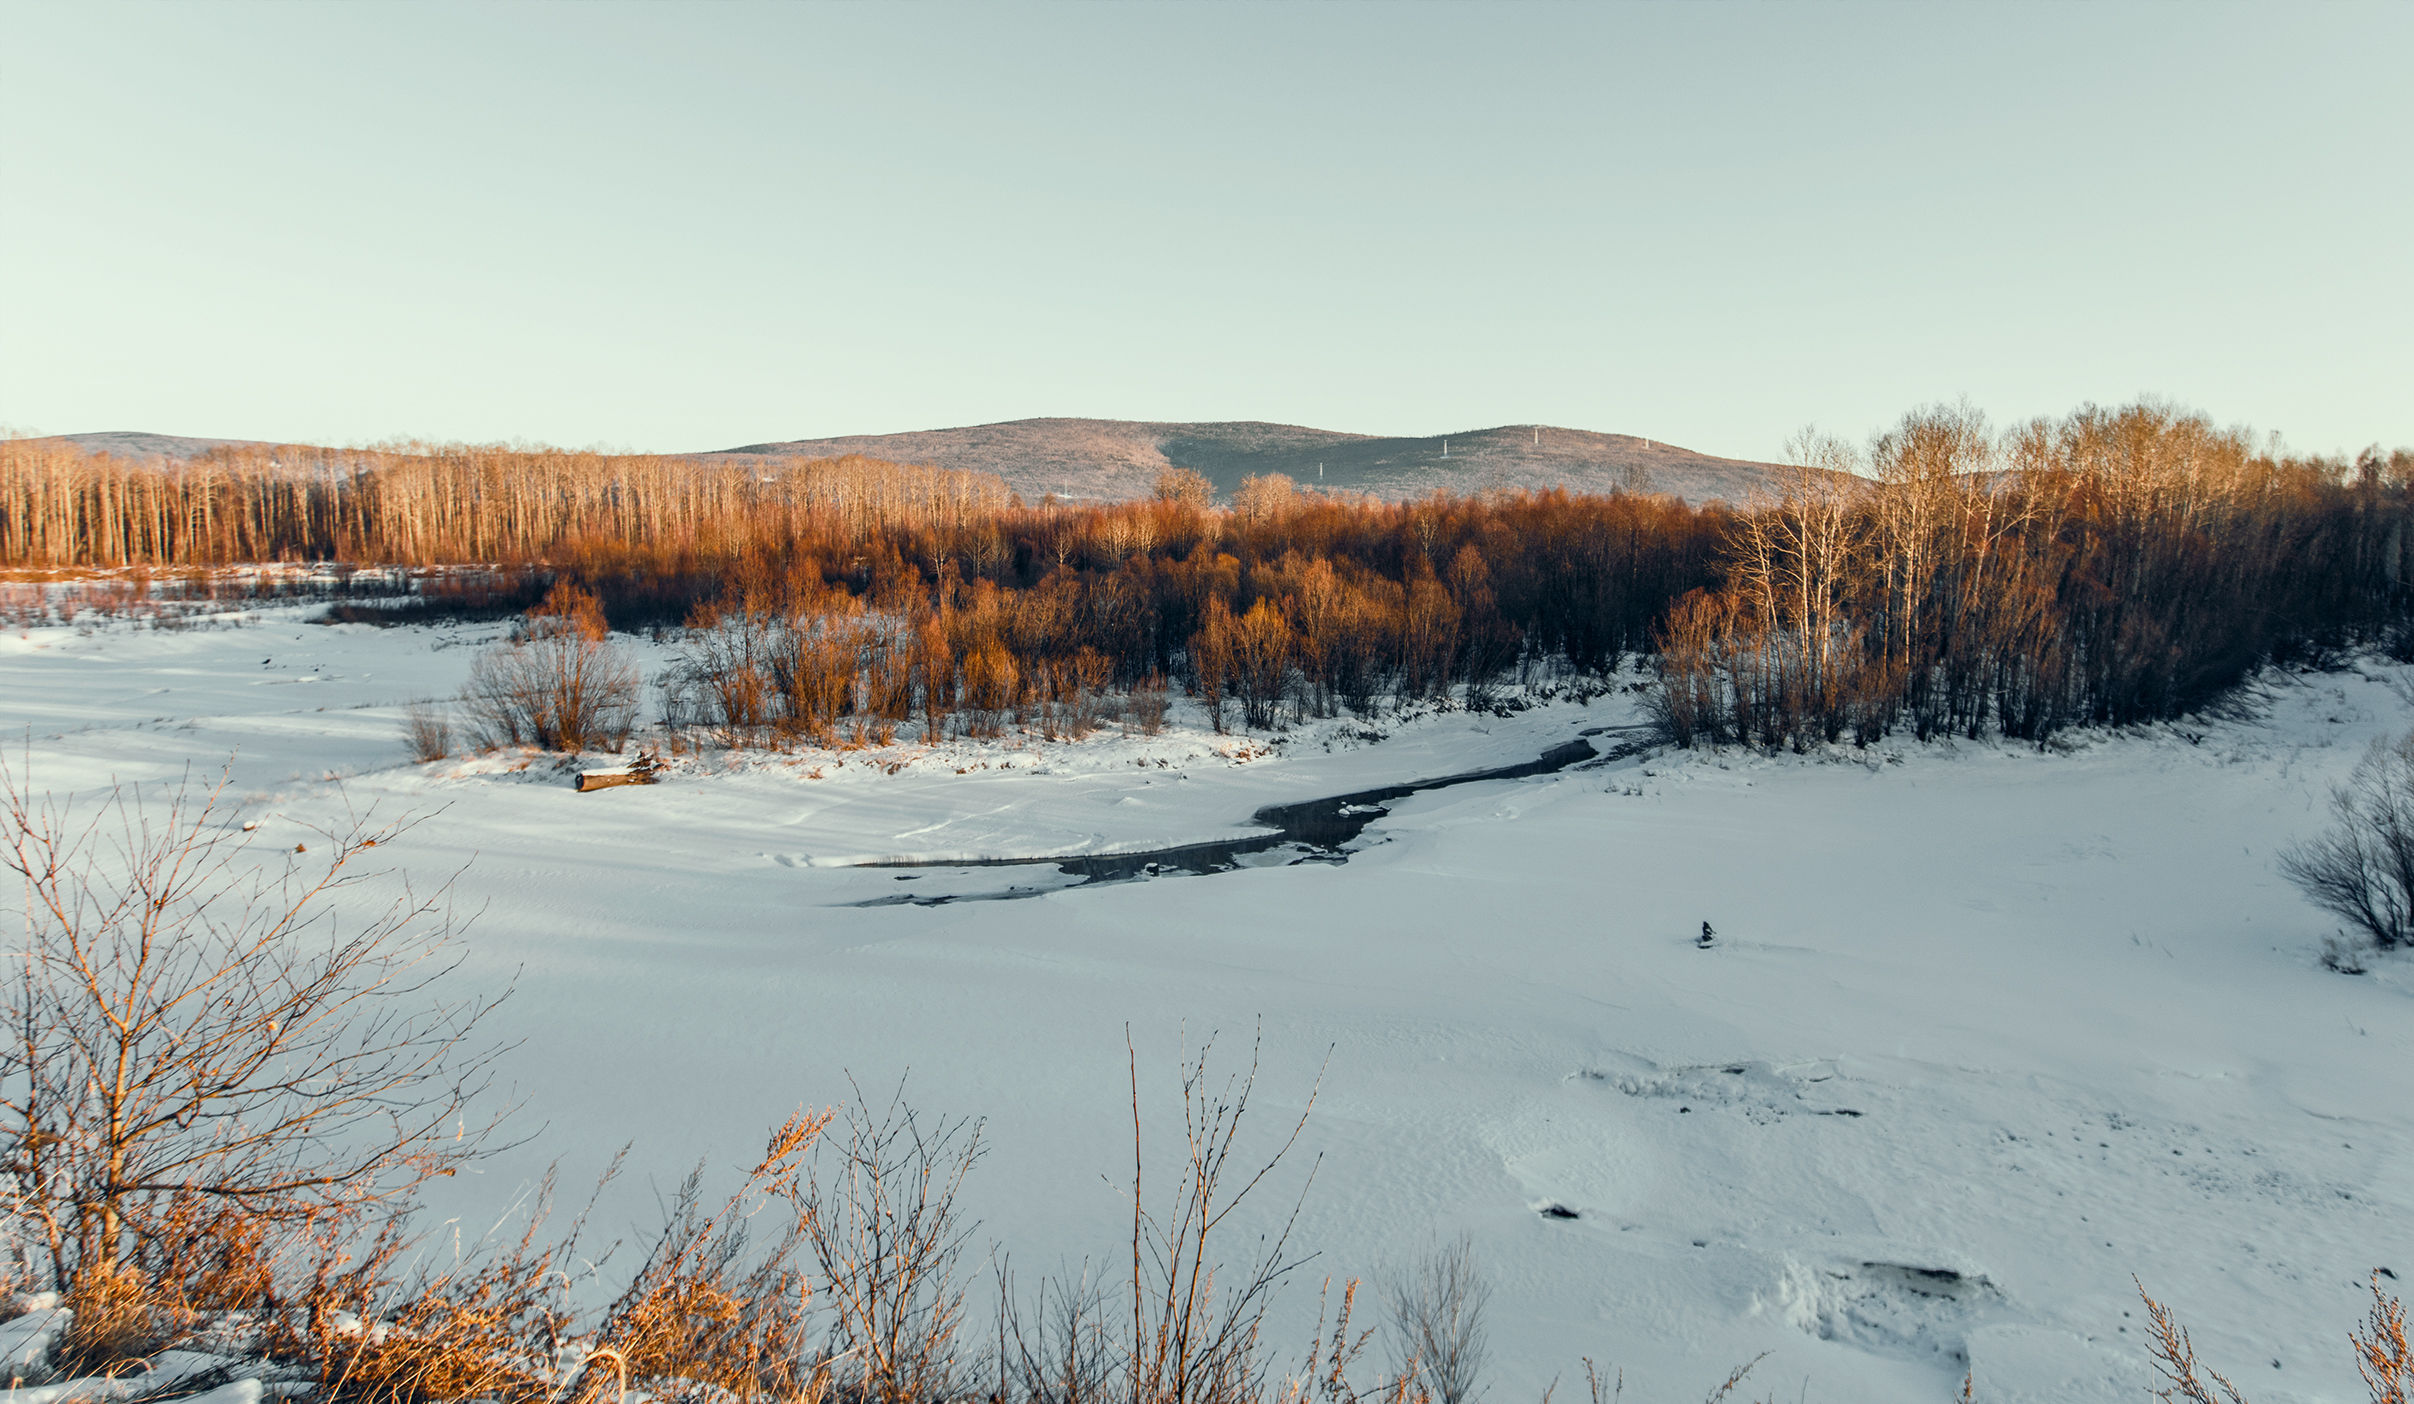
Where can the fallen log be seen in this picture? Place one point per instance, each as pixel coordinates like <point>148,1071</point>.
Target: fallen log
<point>642,771</point>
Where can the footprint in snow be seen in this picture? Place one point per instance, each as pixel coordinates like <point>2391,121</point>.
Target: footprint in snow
<point>1761,1092</point>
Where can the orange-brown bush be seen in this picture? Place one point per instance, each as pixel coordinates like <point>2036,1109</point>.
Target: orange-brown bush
<point>189,1261</point>
<point>208,1090</point>
<point>492,1327</point>
<point>718,1310</point>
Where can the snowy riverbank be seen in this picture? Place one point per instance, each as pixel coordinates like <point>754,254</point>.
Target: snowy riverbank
<point>1987,1030</point>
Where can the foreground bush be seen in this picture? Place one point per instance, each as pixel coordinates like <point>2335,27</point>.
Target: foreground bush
<point>201,1069</point>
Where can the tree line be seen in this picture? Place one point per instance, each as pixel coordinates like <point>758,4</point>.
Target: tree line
<point>417,504</point>
<point>2106,566</point>
<point>1300,606</point>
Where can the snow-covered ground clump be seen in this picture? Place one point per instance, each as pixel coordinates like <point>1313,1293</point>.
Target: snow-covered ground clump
<point>1983,1030</point>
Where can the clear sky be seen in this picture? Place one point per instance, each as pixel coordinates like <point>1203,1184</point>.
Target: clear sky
<point>669,226</point>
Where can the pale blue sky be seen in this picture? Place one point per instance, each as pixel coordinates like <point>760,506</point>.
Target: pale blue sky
<point>671,227</point>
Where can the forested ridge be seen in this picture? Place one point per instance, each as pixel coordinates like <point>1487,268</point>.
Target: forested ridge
<point>2106,566</point>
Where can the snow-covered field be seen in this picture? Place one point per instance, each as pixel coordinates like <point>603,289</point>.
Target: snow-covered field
<point>1985,1031</point>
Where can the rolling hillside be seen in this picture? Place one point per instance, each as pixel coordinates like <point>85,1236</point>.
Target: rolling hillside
<point>1106,459</point>
<point>1109,458</point>
<point>134,443</point>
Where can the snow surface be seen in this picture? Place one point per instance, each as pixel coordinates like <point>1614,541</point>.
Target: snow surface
<point>25,1340</point>
<point>1986,1029</point>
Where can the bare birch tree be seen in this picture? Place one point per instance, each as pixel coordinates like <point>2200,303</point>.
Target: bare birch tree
<point>187,1027</point>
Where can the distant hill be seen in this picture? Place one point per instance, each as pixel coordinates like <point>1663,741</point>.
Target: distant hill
<point>1110,459</point>
<point>1114,458</point>
<point>130,443</point>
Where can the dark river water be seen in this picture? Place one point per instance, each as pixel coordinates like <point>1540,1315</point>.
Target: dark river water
<point>1319,830</point>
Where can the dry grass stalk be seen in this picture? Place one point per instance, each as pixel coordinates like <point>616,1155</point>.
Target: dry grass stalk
<point>2382,1355</point>
<point>492,1326</point>
<point>2185,1381</point>
<point>716,1311</point>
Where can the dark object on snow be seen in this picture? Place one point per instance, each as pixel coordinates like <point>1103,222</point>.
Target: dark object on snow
<point>1707,937</point>
<point>1557,1211</point>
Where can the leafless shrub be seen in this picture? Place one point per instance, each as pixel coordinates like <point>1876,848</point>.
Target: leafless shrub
<point>1687,702</point>
<point>885,1235</point>
<point>935,667</point>
<point>723,672</point>
<point>1074,694</point>
<point>2362,870</point>
<point>1261,643</point>
<point>814,665</point>
<point>198,1259</point>
<point>1196,1322</point>
<point>1060,1347</point>
<point>184,1028</point>
<point>887,683</point>
<point>1437,1313</point>
<point>1212,653</point>
<point>1145,707</point>
<point>429,731</point>
<point>560,683</point>
<point>1089,673</point>
<point>716,1312</point>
